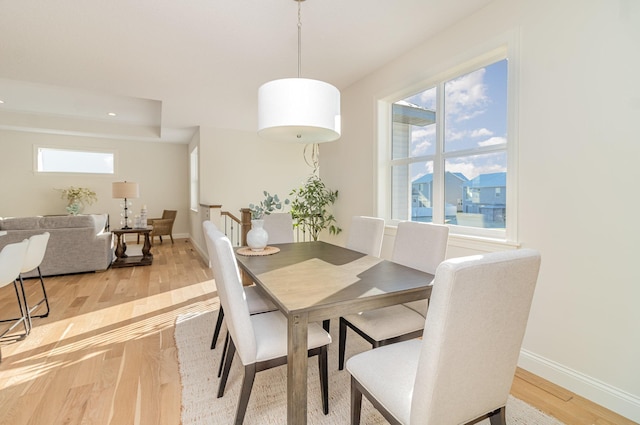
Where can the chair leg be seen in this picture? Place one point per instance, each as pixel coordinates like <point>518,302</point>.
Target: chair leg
<point>160,238</point>
<point>323,370</point>
<point>342,342</point>
<point>24,318</point>
<point>216,332</point>
<point>171,236</point>
<point>326,325</point>
<point>43,300</point>
<point>245,392</point>
<point>499,417</point>
<point>224,353</point>
<point>227,366</point>
<point>25,313</point>
<point>356,403</point>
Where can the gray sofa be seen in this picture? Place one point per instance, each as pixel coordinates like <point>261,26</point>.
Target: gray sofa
<point>77,243</point>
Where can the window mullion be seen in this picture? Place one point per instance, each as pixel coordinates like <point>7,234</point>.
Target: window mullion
<point>438,161</point>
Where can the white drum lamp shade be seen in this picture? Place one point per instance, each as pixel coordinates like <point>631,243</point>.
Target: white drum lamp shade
<point>299,110</point>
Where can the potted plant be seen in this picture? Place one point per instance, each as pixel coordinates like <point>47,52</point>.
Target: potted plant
<point>77,198</point>
<point>257,237</point>
<point>268,205</point>
<point>309,208</point>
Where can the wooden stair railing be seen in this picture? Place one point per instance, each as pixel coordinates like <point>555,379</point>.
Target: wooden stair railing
<point>228,223</point>
<point>237,228</point>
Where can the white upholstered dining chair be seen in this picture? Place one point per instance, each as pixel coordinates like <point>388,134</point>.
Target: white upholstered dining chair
<point>365,235</point>
<point>261,339</point>
<point>421,246</point>
<point>279,227</point>
<point>463,368</point>
<point>256,299</point>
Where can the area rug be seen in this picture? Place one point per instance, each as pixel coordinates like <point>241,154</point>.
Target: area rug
<point>267,404</point>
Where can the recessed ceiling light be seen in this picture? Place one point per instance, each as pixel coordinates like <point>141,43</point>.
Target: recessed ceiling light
<point>1,101</point>
<point>112,114</point>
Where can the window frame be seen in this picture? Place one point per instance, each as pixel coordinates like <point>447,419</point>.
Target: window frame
<point>506,48</point>
<point>37,148</point>
<point>194,179</point>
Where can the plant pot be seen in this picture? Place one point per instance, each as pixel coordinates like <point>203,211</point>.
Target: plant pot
<point>257,237</point>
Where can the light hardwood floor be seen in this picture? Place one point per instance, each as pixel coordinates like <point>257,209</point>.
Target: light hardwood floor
<point>106,353</point>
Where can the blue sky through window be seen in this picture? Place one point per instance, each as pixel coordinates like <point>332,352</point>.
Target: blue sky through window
<point>475,117</point>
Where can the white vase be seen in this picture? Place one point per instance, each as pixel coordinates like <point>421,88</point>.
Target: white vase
<point>257,237</point>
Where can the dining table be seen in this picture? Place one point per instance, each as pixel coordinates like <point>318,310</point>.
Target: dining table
<point>315,281</point>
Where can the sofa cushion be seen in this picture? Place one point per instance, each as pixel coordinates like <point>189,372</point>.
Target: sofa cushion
<point>20,223</point>
<point>66,221</point>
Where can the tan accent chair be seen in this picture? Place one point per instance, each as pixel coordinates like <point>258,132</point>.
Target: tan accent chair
<point>162,226</point>
<point>462,369</point>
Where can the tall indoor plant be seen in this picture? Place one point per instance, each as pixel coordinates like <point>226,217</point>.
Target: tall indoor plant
<point>309,207</point>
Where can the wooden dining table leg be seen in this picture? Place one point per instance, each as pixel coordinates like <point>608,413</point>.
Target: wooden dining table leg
<point>297,369</point>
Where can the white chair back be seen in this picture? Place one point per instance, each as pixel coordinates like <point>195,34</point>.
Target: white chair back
<point>232,296</point>
<point>35,252</point>
<point>421,246</point>
<point>11,260</point>
<point>473,333</point>
<point>365,235</point>
<point>279,227</point>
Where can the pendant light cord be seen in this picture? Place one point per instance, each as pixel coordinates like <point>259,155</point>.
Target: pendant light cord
<point>312,159</point>
<point>299,39</point>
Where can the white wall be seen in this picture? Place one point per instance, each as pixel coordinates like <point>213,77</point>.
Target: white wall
<point>236,166</point>
<point>579,109</point>
<point>159,168</point>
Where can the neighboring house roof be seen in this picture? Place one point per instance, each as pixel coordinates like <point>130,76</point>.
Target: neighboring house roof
<point>489,180</point>
<point>428,178</point>
<point>408,113</point>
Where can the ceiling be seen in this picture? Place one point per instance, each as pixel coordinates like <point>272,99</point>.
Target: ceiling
<point>166,67</point>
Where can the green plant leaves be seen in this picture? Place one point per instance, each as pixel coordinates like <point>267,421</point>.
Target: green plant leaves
<point>309,207</point>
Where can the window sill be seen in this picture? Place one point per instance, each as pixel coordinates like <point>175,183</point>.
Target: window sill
<point>481,243</point>
<point>471,242</point>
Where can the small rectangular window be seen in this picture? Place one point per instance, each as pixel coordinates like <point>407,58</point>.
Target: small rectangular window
<point>59,160</point>
<point>194,181</point>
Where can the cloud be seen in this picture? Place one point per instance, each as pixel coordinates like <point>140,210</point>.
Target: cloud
<point>481,132</point>
<point>466,96</point>
<point>422,140</point>
<point>493,141</point>
<point>421,148</point>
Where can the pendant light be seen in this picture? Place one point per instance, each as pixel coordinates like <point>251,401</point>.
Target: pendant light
<point>298,109</point>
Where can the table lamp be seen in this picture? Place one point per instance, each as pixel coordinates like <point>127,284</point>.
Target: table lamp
<point>125,190</point>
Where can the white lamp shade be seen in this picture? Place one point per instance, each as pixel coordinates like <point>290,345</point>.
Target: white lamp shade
<point>123,190</point>
<point>298,110</point>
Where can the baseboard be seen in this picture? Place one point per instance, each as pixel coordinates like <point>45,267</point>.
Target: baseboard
<point>612,398</point>
<point>203,253</point>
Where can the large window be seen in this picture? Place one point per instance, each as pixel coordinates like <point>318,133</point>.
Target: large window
<point>62,160</point>
<point>449,154</point>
